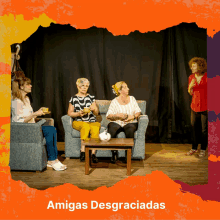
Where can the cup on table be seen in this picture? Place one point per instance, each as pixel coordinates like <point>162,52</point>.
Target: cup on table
<point>86,110</point>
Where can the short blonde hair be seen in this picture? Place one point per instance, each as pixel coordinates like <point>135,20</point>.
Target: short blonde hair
<point>117,87</point>
<point>81,81</point>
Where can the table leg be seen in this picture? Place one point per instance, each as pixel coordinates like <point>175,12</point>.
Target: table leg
<point>87,161</point>
<point>129,161</point>
<point>90,158</point>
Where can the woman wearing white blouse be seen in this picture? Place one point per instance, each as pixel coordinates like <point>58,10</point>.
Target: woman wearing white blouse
<point>123,113</point>
<point>23,112</point>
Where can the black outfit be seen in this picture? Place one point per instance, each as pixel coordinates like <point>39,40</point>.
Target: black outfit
<point>128,129</point>
<point>196,118</point>
<point>115,128</point>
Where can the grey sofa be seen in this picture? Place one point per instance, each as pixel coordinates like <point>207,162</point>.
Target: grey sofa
<point>72,136</point>
<point>28,146</point>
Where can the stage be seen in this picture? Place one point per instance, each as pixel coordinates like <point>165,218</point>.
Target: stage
<point>168,158</point>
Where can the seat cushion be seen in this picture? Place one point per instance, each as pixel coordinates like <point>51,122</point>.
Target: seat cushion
<point>76,134</point>
<point>122,135</point>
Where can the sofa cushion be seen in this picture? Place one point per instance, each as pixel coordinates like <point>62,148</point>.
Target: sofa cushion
<point>75,133</point>
<point>105,121</point>
<point>103,105</point>
<point>135,135</point>
<point>122,135</point>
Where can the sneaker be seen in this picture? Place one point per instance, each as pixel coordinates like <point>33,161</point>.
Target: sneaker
<point>49,164</point>
<point>56,166</point>
<point>65,166</point>
<point>202,153</point>
<point>191,152</point>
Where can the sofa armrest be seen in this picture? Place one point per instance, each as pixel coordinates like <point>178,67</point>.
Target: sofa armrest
<point>26,132</point>
<point>142,126</point>
<point>67,123</point>
<point>48,121</point>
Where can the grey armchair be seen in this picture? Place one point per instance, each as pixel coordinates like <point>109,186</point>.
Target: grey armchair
<point>27,145</point>
<point>72,136</point>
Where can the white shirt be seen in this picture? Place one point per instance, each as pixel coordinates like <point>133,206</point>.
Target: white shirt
<point>131,108</point>
<point>19,110</point>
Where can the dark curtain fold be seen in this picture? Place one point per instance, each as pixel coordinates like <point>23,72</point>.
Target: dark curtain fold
<point>154,65</point>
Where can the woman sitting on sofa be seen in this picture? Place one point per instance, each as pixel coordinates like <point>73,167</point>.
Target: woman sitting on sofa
<point>85,122</point>
<point>23,112</point>
<point>123,113</point>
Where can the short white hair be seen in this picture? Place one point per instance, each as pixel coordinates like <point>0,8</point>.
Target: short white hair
<point>81,81</point>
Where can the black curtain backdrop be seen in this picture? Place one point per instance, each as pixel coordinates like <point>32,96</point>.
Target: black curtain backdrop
<point>154,65</point>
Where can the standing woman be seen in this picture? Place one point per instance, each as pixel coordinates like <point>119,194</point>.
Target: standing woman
<point>123,113</point>
<point>198,90</point>
<point>84,122</point>
<point>23,112</point>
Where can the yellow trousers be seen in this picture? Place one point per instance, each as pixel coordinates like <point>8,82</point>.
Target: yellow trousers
<point>87,127</point>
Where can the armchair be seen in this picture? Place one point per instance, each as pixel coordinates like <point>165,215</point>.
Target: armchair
<point>27,145</point>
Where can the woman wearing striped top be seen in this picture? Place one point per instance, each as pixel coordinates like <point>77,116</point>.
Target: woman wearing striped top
<point>123,113</point>
<point>84,122</point>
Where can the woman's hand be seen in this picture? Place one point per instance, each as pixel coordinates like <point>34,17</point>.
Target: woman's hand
<point>81,113</point>
<point>39,112</point>
<point>92,108</point>
<point>130,118</point>
<point>121,116</point>
<point>74,114</point>
<point>192,84</point>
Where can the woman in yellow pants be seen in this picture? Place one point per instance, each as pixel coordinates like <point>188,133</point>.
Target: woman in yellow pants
<point>83,108</point>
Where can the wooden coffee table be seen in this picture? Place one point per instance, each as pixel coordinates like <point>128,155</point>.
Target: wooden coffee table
<point>113,144</point>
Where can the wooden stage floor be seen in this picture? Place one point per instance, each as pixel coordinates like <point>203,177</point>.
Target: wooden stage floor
<point>169,158</point>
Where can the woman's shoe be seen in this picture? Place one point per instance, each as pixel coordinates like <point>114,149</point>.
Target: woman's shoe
<point>82,156</point>
<point>94,159</point>
<point>49,164</point>
<point>56,166</point>
<point>191,152</point>
<point>114,156</point>
<point>65,166</point>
